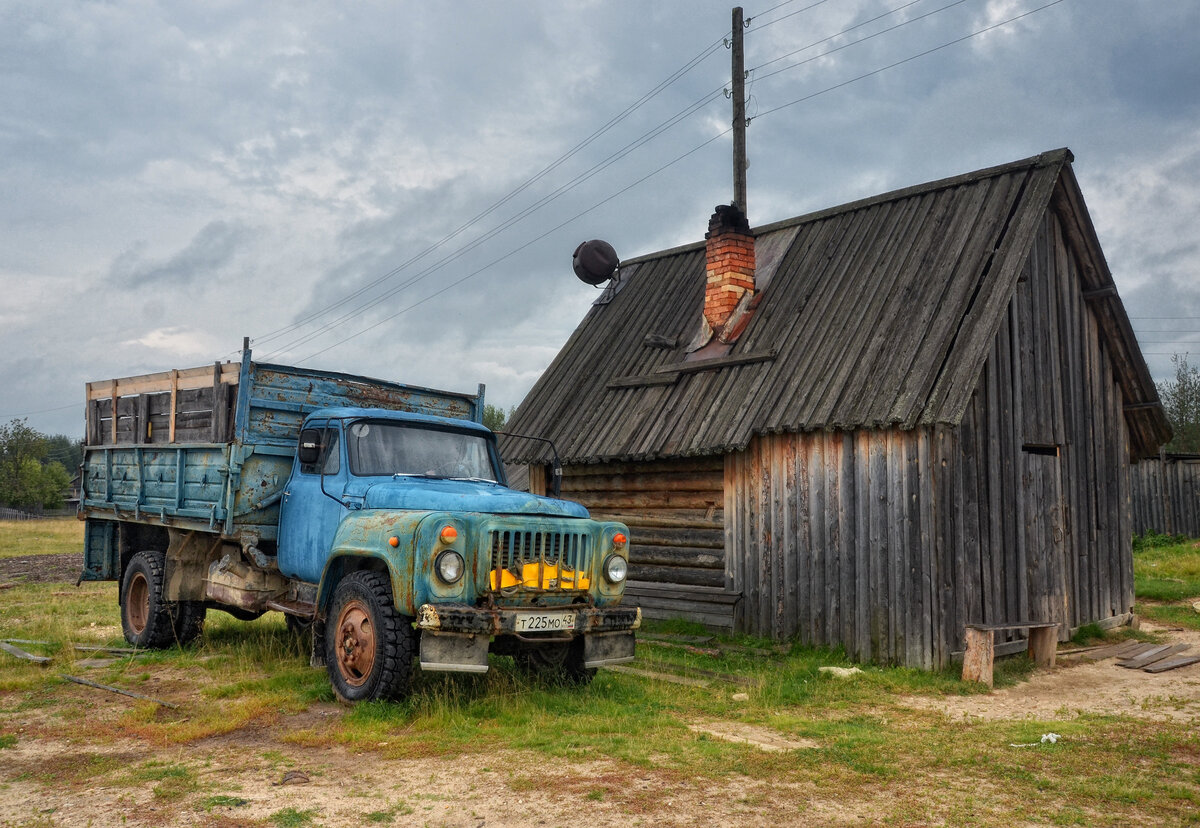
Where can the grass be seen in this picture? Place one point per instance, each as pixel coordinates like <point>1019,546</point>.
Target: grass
<point>49,536</point>
<point>245,681</point>
<point>1167,579</point>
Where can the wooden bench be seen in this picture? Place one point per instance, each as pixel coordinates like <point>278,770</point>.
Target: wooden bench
<point>981,647</point>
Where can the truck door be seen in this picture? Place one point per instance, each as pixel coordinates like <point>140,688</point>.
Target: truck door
<point>308,516</point>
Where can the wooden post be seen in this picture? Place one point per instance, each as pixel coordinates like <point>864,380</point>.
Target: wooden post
<point>739,113</point>
<point>174,398</point>
<point>981,651</point>
<point>1043,645</point>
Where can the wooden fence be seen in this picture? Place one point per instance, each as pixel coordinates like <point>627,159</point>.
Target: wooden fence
<point>1166,495</point>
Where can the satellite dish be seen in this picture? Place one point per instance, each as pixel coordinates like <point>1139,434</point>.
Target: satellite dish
<point>595,262</point>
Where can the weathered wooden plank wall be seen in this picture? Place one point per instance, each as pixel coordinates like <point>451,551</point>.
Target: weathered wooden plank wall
<point>1041,456</point>
<point>828,538</point>
<point>1166,495</point>
<point>675,513</point>
<point>888,541</point>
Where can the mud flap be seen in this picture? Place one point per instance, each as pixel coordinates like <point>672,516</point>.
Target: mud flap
<point>449,652</point>
<point>602,649</point>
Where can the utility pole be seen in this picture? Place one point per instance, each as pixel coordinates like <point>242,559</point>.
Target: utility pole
<point>739,113</point>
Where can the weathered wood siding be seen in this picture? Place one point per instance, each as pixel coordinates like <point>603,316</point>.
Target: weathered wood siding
<point>1166,495</point>
<point>830,540</point>
<point>675,513</point>
<point>889,541</point>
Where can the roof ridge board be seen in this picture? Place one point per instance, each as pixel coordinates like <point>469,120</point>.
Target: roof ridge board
<point>1040,160</point>
<point>1043,159</point>
<point>982,242</point>
<point>854,372</point>
<point>1015,247</point>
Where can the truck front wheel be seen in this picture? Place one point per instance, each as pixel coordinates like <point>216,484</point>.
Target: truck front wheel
<point>145,616</point>
<point>369,646</point>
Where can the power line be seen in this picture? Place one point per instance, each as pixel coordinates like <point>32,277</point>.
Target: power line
<point>911,58</point>
<point>847,31</point>
<point>612,122</point>
<point>522,247</point>
<point>525,213</point>
<point>40,411</point>
<point>786,16</point>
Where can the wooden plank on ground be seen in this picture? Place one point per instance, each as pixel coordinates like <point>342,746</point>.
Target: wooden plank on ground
<point>1148,657</point>
<point>1152,656</point>
<point>673,679</point>
<point>17,652</point>
<point>1131,650</point>
<point>708,651</point>
<point>678,639</point>
<point>1171,663</point>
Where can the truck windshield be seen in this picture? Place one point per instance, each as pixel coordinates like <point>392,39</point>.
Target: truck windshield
<point>377,448</point>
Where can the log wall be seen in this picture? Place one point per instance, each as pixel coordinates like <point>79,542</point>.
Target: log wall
<point>1166,495</point>
<point>675,513</point>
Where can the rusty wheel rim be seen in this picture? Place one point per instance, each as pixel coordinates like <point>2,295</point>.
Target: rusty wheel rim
<point>137,603</point>
<point>355,644</point>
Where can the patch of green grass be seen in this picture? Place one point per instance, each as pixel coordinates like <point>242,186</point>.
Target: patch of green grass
<point>48,536</point>
<point>1168,571</point>
<point>8,740</point>
<point>292,818</point>
<point>388,816</point>
<point>221,801</point>
<point>174,780</point>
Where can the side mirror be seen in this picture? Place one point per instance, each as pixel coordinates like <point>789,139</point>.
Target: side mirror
<point>309,451</point>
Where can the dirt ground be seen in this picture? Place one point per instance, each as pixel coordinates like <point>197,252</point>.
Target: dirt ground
<point>246,778</point>
<point>42,569</point>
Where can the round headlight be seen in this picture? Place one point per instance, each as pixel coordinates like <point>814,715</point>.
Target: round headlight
<point>615,568</point>
<point>449,566</point>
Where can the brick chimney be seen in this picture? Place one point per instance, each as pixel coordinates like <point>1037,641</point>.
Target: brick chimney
<point>729,266</point>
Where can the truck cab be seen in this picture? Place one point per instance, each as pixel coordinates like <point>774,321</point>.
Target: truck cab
<point>421,502</point>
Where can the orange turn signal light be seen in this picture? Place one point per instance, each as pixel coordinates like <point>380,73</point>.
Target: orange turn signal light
<point>619,539</point>
<point>393,541</point>
<point>449,534</point>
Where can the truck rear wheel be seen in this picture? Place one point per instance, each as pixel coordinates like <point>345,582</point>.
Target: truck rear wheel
<point>145,616</point>
<point>558,662</point>
<point>187,619</point>
<point>369,646</point>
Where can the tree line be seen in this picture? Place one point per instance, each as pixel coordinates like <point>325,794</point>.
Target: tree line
<point>35,468</point>
<point>1181,399</point>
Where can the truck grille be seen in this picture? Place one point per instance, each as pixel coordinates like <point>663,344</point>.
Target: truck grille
<point>547,560</point>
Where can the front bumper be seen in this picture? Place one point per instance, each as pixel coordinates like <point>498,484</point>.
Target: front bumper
<point>456,638</point>
<point>459,618</point>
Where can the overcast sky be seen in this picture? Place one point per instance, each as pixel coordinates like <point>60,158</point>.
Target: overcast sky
<point>175,176</point>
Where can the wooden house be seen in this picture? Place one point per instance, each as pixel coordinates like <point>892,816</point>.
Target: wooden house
<point>867,426</point>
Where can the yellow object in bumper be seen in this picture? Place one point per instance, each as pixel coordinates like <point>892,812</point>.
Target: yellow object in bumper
<point>539,576</point>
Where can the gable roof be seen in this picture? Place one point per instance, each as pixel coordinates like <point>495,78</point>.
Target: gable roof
<point>877,313</point>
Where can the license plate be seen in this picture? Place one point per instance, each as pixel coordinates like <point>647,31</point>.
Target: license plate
<point>545,621</point>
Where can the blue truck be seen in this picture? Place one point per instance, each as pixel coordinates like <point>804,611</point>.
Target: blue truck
<point>374,514</point>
